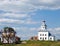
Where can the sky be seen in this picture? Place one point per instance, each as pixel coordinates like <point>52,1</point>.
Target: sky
<point>25,16</point>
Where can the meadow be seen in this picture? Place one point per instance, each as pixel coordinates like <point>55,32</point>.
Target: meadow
<point>35,43</point>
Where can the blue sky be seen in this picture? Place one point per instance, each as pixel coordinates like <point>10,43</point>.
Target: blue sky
<point>25,16</point>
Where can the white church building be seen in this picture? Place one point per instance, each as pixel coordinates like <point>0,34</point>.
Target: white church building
<point>45,35</point>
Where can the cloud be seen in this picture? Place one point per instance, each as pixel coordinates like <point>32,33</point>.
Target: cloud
<point>25,29</point>
<point>55,30</point>
<point>11,11</point>
<point>5,20</point>
<point>30,21</point>
<point>33,31</point>
<point>14,15</point>
<point>46,4</point>
<point>15,6</point>
<point>28,5</point>
<point>52,30</point>
<point>17,21</point>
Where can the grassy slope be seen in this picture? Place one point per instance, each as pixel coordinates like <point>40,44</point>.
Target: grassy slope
<point>40,43</point>
<point>36,43</point>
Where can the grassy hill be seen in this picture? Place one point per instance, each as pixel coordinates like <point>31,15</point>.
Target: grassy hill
<point>36,43</point>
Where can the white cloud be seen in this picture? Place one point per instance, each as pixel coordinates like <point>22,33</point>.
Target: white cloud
<point>21,8</point>
<point>32,30</point>
<point>28,5</point>
<point>30,21</point>
<point>15,6</point>
<point>26,29</point>
<point>55,30</point>
<point>46,1</point>
<point>23,31</point>
<point>17,21</point>
<point>13,15</point>
<point>5,20</point>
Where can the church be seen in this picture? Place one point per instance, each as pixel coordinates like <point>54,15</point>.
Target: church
<point>45,35</point>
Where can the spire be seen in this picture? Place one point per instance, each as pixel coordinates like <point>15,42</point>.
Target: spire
<point>43,26</point>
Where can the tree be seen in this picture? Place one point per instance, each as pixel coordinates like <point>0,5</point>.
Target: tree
<point>8,33</point>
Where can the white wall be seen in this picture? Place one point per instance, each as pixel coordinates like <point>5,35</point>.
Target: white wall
<point>51,38</point>
<point>43,35</point>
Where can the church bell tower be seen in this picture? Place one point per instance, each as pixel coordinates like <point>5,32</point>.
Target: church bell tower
<point>43,26</point>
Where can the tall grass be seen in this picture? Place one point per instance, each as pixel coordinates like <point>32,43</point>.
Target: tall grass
<point>8,44</point>
<point>36,43</point>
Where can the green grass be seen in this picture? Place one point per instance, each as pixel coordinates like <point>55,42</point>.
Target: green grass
<point>36,43</point>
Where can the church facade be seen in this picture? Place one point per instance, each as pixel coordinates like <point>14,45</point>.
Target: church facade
<point>45,35</point>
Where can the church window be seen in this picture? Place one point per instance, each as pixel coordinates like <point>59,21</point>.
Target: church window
<point>50,38</point>
<point>45,34</point>
<point>45,38</point>
<point>40,38</point>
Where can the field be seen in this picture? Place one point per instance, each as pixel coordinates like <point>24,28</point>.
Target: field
<point>35,43</point>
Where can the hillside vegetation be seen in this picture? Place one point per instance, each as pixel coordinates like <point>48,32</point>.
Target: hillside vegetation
<point>36,43</point>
